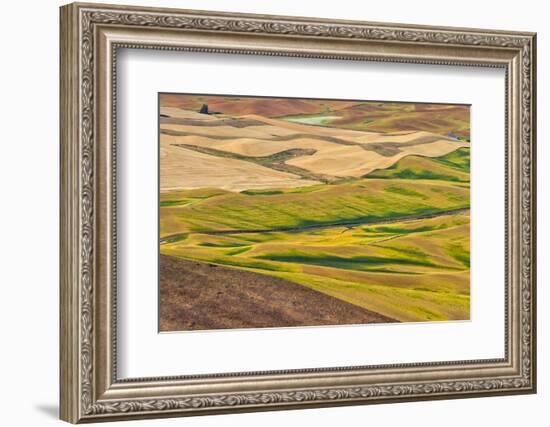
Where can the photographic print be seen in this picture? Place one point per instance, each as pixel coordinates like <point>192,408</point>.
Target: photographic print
<point>286,212</point>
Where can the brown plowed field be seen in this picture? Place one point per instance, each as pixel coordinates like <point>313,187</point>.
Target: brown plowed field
<point>199,296</point>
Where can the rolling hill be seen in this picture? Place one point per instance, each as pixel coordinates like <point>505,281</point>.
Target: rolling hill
<point>363,203</point>
<point>373,116</point>
<point>239,153</point>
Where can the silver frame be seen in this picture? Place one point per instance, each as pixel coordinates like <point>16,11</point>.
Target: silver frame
<point>90,37</point>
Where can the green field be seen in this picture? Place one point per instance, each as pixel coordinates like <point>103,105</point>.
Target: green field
<point>396,242</point>
<point>451,167</point>
<point>411,270</point>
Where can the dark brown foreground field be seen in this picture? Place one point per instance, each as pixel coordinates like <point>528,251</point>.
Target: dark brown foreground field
<point>199,296</point>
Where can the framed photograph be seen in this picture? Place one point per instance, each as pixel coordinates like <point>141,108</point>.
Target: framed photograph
<point>266,212</point>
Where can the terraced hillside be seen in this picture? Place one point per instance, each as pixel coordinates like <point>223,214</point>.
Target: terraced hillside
<point>378,220</point>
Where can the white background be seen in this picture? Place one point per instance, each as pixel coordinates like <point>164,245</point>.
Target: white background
<point>29,170</point>
<point>145,353</point>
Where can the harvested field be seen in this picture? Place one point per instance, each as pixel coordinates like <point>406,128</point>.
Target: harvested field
<point>269,107</point>
<point>338,153</point>
<point>182,168</point>
<point>373,116</point>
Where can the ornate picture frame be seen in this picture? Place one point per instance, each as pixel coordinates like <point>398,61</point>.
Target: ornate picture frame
<point>91,34</point>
